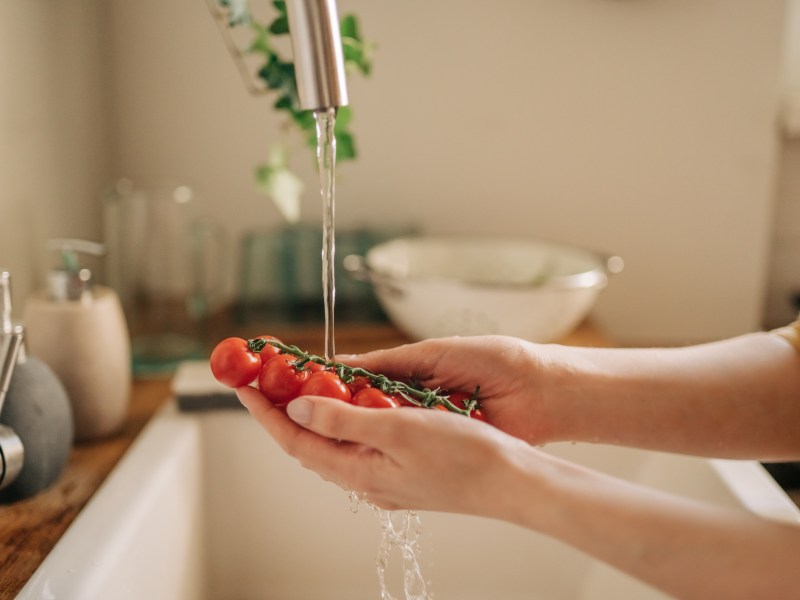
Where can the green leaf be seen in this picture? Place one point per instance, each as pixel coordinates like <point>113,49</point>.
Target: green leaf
<point>279,75</point>
<point>280,26</point>
<point>304,119</point>
<point>357,54</point>
<point>345,146</point>
<point>287,71</point>
<point>285,102</point>
<point>352,50</point>
<point>349,27</point>
<point>271,73</point>
<point>260,43</point>
<point>311,139</point>
<point>280,5</point>
<point>343,117</point>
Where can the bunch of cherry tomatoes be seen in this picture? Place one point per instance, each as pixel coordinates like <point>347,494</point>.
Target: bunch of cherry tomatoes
<point>282,377</point>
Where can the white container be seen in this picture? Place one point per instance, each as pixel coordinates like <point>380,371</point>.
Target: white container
<point>86,344</point>
<point>79,331</point>
<point>435,286</point>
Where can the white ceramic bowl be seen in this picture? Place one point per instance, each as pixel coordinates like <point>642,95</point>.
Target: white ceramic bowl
<point>435,286</point>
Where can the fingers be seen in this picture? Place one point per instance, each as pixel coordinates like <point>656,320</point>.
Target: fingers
<point>345,464</point>
<point>288,434</point>
<point>309,419</point>
<point>456,363</point>
<point>417,360</point>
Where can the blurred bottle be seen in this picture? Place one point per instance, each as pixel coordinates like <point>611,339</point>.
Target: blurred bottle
<point>167,265</point>
<point>79,330</point>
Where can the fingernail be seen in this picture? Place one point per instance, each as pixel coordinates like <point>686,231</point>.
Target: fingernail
<point>299,411</point>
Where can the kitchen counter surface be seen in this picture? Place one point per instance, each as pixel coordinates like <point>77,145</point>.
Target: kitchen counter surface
<point>30,528</point>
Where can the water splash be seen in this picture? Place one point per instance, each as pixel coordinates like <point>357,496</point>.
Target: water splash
<point>401,531</point>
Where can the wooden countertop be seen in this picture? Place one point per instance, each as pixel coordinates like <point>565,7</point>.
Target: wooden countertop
<point>30,528</point>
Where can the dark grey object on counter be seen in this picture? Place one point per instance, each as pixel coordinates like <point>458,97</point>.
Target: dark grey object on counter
<point>201,403</point>
<point>38,410</point>
<point>196,390</point>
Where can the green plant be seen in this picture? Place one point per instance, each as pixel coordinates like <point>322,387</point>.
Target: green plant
<point>277,75</point>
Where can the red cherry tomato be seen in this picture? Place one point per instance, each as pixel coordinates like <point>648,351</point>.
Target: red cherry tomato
<point>233,364</point>
<point>460,398</point>
<point>280,380</point>
<point>403,402</point>
<point>374,398</point>
<point>359,383</point>
<point>326,383</point>
<point>313,366</point>
<point>268,351</point>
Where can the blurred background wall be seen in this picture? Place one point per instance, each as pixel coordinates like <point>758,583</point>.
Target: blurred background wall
<point>55,137</point>
<point>645,128</point>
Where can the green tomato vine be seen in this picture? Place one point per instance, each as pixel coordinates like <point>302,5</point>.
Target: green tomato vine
<point>415,394</point>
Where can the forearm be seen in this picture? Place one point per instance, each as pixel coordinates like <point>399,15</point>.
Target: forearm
<point>736,398</point>
<point>688,549</point>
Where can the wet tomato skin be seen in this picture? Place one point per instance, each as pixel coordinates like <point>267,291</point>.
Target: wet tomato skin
<point>359,383</point>
<point>374,398</point>
<point>314,367</point>
<point>325,383</point>
<point>233,364</point>
<point>280,380</point>
<point>268,351</point>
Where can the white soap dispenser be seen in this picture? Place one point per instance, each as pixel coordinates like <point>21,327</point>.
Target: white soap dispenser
<point>78,329</point>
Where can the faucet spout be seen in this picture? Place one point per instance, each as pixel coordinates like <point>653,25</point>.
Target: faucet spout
<point>318,54</point>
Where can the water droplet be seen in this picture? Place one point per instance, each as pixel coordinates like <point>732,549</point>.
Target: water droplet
<point>355,501</point>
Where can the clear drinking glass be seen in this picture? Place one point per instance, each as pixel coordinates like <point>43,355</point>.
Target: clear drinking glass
<point>166,264</point>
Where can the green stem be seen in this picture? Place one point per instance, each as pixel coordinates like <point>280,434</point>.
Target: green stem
<point>425,397</point>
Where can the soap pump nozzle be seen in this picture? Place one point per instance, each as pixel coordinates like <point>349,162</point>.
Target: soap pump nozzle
<point>70,281</point>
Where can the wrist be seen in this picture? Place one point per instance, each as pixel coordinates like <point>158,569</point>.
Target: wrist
<point>565,384</point>
<point>526,478</point>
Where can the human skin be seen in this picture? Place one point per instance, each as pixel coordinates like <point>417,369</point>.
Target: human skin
<point>736,398</point>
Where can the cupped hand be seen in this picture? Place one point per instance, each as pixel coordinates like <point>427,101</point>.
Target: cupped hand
<point>512,375</point>
<point>396,458</point>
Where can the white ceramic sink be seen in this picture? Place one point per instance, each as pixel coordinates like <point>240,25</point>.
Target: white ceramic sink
<point>205,506</point>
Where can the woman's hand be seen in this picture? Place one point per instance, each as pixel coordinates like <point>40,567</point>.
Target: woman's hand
<point>396,458</point>
<point>672,400</point>
<point>511,374</point>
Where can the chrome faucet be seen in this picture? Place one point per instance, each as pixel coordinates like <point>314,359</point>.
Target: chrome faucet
<point>318,54</point>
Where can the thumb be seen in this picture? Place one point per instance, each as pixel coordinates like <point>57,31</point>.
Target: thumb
<point>341,421</point>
